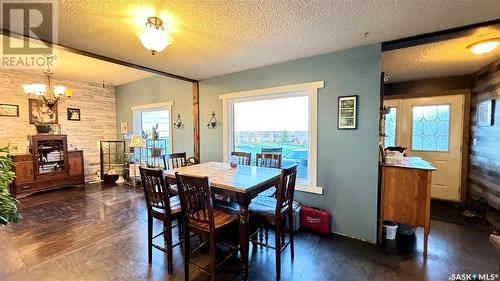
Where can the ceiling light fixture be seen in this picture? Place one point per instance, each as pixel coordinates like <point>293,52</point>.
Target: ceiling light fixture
<point>485,46</point>
<point>48,93</point>
<point>153,35</point>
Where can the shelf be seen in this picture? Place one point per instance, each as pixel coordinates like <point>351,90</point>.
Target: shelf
<point>50,162</point>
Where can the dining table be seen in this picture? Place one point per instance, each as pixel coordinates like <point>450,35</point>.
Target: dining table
<point>241,184</point>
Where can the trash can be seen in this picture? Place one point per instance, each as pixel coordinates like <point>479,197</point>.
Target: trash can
<point>390,230</point>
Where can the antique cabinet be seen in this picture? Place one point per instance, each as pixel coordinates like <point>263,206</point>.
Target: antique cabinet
<point>50,165</point>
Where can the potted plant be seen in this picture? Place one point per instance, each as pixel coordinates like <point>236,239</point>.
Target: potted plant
<point>8,204</point>
<point>42,127</point>
<point>154,132</point>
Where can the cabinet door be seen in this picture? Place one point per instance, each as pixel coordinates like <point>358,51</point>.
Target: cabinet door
<point>75,160</point>
<point>24,172</point>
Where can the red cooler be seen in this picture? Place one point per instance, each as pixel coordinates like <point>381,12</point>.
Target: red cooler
<point>314,219</point>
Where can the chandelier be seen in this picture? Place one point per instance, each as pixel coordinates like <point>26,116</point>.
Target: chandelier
<point>153,35</point>
<point>48,93</point>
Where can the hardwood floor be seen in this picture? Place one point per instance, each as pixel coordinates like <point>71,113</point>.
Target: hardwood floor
<point>99,233</point>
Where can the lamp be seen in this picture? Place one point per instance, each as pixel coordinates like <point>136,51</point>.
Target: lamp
<point>484,46</point>
<point>136,142</point>
<point>153,35</point>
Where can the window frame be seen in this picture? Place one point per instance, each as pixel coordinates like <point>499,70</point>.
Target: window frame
<point>306,89</point>
<point>137,111</point>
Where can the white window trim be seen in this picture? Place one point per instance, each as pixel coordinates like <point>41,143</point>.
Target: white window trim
<point>310,89</point>
<point>150,107</point>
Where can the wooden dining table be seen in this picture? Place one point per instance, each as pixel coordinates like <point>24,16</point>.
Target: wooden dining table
<point>240,184</point>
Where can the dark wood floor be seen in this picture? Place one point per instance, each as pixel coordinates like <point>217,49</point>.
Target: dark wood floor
<point>99,233</point>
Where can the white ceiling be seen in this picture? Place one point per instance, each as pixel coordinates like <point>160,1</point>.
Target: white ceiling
<point>218,37</point>
<point>440,59</point>
<point>82,68</point>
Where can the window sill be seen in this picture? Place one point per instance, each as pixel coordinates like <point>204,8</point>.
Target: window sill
<point>309,189</point>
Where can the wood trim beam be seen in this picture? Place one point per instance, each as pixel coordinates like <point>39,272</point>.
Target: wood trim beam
<point>196,120</point>
<point>437,36</point>
<point>95,56</point>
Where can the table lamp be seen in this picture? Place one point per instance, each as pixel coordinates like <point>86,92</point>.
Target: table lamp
<point>137,142</point>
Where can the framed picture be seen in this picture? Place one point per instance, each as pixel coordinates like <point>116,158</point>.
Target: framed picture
<point>40,112</point>
<point>9,110</point>
<point>485,113</point>
<point>348,113</point>
<point>74,114</point>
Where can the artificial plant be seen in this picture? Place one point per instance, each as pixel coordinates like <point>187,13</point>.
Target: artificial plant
<point>8,204</point>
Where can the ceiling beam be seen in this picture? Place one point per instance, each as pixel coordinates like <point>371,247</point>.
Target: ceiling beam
<point>95,56</point>
<point>437,36</point>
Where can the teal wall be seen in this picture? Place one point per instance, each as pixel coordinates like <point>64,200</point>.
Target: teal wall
<point>347,159</point>
<point>156,89</point>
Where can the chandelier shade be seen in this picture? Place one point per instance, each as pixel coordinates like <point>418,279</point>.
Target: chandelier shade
<point>153,35</point>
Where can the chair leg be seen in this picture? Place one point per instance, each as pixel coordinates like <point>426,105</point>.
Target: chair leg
<point>186,251</point>
<point>167,237</point>
<point>278,252</point>
<point>150,239</point>
<point>283,229</point>
<point>290,228</point>
<point>261,234</point>
<point>266,235</point>
<point>212,256</point>
<point>180,229</point>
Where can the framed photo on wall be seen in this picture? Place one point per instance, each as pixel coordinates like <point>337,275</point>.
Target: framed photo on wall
<point>485,113</point>
<point>74,114</point>
<point>348,113</point>
<point>9,110</point>
<point>40,112</point>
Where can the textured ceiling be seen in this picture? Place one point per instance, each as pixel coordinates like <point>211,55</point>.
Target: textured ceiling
<point>440,59</point>
<point>81,68</point>
<point>218,37</point>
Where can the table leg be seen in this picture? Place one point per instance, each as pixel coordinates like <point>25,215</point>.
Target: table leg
<point>244,244</point>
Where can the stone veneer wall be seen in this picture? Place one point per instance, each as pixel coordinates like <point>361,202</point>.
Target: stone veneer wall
<point>98,115</point>
<point>484,154</point>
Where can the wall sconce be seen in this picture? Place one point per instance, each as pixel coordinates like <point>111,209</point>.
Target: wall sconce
<point>213,121</point>
<point>178,123</point>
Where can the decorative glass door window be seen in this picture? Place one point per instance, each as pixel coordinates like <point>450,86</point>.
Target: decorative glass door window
<point>390,127</point>
<point>430,128</point>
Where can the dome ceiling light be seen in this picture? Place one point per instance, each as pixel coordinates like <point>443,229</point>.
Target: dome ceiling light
<point>153,35</point>
<point>484,46</point>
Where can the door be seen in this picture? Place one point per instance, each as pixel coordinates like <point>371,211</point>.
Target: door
<point>432,128</point>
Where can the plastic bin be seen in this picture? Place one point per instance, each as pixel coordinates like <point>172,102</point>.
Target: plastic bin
<point>390,230</point>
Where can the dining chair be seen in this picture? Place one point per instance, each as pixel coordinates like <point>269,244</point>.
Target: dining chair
<point>276,215</point>
<point>270,160</point>
<point>273,150</point>
<point>242,158</point>
<point>174,161</point>
<point>203,219</point>
<point>164,207</point>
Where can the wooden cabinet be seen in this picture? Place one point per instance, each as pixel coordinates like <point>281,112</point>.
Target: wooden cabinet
<point>406,195</point>
<point>49,166</point>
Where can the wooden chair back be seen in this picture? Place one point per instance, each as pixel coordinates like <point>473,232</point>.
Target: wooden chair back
<point>174,160</point>
<point>273,150</point>
<point>270,160</point>
<point>285,191</point>
<point>156,191</point>
<point>196,201</point>
<point>242,158</point>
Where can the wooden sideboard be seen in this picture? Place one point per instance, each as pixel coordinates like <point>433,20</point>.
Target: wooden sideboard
<point>405,195</point>
<point>39,172</point>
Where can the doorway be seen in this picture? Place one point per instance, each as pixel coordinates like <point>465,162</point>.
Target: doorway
<point>431,128</point>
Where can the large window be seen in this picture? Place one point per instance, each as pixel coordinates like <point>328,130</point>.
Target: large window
<point>148,116</point>
<point>283,119</point>
<point>281,123</point>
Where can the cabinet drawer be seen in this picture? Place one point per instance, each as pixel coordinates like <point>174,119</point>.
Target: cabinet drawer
<point>75,180</point>
<point>25,186</point>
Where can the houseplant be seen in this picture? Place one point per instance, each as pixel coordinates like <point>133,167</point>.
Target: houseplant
<point>42,127</point>
<point>8,204</point>
<point>154,132</point>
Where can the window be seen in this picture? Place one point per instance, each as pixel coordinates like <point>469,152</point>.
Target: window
<point>390,127</point>
<point>430,128</point>
<point>147,116</point>
<point>283,118</point>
